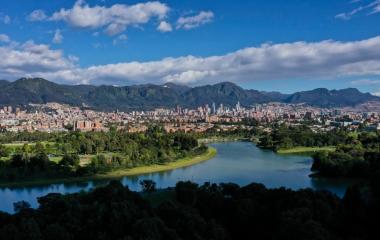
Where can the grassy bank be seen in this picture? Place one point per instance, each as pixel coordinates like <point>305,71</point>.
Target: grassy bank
<point>305,150</point>
<point>184,162</point>
<point>221,139</point>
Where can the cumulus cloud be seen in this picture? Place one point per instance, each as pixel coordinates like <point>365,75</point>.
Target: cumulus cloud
<point>373,7</point>
<point>58,38</point>
<point>114,19</point>
<point>165,27</point>
<point>191,22</point>
<point>36,15</point>
<point>31,59</point>
<point>297,60</point>
<point>4,38</point>
<point>189,77</point>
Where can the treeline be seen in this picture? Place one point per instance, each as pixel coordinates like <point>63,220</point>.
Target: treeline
<point>111,150</point>
<point>359,159</point>
<point>7,137</point>
<point>357,154</point>
<point>216,132</point>
<point>210,211</point>
<point>285,137</point>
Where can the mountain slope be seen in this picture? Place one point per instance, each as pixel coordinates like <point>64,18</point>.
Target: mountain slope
<point>149,96</point>
<point>226,93</point>
<point>132,97</point>
<point>323,97</point>
<point>3,83</point>
<point>37,90</point>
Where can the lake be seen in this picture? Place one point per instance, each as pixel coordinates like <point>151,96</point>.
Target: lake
<point>238,162</point>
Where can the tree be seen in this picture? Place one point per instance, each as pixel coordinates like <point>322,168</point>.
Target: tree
<point>56,232</point>
<point>39,148</point>
<point>18,206</point>
<point>148,186</point>
<point>4,151</point>
<point>40,161</point>
<point>71,160</point>
<point>186,192</point>
<point>18,161</point>
<point>30,229</point>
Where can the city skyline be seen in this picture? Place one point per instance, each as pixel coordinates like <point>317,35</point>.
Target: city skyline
<point>270,46</point>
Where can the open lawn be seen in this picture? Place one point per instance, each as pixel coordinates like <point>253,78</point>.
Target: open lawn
<point>305,150</point>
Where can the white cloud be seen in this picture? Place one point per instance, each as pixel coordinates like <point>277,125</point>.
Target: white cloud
<point>123,37</point>
<point>58,38</point>
<point>120,38</point>
<point>5,18</point>
<point>114,19</point>
<point>73,58</point>
<point>164,27</point>
<point>189,77</point>
<point>297,60</point>
<point>31,59</point>
<point>374,7</point>
<point>4,38</point>
<point>376,94</point>
<point>36,15</point>
<point>190,22</point>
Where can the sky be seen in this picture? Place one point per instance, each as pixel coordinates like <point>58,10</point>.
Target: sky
<point>270,45</point>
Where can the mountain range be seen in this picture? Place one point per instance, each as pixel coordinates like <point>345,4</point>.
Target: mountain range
<point>149,96</point>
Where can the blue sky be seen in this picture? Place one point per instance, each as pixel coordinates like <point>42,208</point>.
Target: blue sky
<point>271,45</point>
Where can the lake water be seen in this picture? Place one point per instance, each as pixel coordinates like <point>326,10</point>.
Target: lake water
<point>238,162</point>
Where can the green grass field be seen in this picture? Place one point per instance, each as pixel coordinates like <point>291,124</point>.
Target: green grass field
<point>305,150</point>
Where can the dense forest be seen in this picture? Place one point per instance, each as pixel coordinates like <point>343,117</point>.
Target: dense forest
<point>284,137</point>
<point>210,211</point>
<point>356,155</point>
<point>107,151</point>
<point>358,158</point>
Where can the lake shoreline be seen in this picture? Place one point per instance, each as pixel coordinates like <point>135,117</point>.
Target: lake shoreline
<point>119,173</point>
<point>222,139</point>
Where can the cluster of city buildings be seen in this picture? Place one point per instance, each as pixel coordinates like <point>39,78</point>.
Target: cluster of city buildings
<point>53,117</point>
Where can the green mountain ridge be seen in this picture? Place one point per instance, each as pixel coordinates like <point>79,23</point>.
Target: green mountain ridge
<point>149,96</point>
